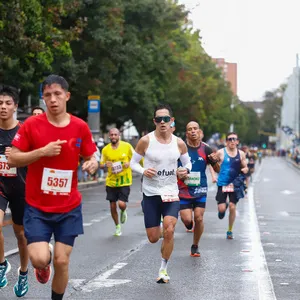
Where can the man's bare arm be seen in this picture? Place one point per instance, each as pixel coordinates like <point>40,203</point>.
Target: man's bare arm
<point>142,145</point>
<point>18,158</point>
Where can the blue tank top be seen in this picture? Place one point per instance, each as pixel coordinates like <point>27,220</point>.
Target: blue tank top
<point>230,169</point>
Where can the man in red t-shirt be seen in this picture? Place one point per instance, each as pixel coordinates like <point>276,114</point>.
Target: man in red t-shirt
<point>50,145</point>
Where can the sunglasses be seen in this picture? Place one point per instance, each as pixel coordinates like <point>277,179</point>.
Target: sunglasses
<point>166,119</point>
<point>232,139</point>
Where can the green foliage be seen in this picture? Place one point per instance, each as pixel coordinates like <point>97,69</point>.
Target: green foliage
<point>134,53</point>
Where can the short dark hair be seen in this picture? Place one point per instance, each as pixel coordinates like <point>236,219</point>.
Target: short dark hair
<point>6,90</point>
<point>232,133</point>
<point>163,106</point>
<point>37,107</point>
<point>51,79</point>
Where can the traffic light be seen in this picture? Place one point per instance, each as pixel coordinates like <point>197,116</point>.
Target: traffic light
<point>264,145</point>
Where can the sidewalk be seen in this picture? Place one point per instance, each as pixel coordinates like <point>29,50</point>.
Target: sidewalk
<point>90,184</point>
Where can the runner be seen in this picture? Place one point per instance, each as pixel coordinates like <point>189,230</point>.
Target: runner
<point>36,111</point>
<point>12,190</point>
<point>116,157</point>
<point>233,162</point>
<point>50,144</point>
<point>250,159</point>
<point>193,190</point>
<point>161,150</point>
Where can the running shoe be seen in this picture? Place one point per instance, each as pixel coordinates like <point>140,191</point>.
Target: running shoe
<point>194,251</point>
<point>123,216</point>
<point>21,287</point>
<point>43,275</point>
<point>229,235</point>
<point>118,231</point>
<point>163,276</point>
<point>3,271</point>
<point>222,215</point>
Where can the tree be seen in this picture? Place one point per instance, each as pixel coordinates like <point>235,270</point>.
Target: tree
<point>31,42</point>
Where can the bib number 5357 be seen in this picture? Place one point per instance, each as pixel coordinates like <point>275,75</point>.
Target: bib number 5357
<point>56,182</point>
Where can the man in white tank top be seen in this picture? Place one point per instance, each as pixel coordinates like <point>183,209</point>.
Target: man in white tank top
<point>161,151</point>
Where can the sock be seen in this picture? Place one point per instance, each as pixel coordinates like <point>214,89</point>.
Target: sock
<point>56,296</point>
<point>230,228</point>
<point>23,273</point>
<point>3,263</point>
<point>164,263</point>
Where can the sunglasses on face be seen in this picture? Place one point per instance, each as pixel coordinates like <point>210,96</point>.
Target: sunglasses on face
<point>231,139</point>
<point>166,119</point>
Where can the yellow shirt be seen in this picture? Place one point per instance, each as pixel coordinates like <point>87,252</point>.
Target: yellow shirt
<point>118,175</point>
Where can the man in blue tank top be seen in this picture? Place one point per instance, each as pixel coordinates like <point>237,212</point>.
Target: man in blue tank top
<point>233,162</point>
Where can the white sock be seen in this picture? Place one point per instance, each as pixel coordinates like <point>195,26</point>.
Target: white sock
<point>164,264</point>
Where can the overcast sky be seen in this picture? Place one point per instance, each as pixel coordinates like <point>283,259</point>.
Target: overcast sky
<point>261,36</point>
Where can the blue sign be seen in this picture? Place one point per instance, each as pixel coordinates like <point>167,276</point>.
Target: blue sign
<point>93,106</point>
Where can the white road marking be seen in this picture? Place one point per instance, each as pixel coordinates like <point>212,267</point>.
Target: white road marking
<point>266,179</point>
<point>76,283</point>
<point>265,285</point>
<point>87,224</point>
<point>11,252</point>
<point>287,192</point>
<point>261,217</point>
<point>284,214</point>
<point>103,281</point>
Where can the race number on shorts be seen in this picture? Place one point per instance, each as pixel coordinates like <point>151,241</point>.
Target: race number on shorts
<point>194,179</point>
<point>56,182</point>
<point>5,170</point>
<point>228,188</point>
<point>117,167</point>
<point>169,198</point>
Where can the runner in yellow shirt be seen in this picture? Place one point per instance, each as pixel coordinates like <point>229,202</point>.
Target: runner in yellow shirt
<point>116,157</point>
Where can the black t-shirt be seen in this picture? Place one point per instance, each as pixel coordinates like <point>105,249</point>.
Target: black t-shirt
<point>16,184</point>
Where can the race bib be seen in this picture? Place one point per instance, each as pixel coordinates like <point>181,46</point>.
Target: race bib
<point>56,182</point>
<point>169,198</point>
<point>117,167</point>
<point>228,188</point>
<point>194,179</point>
<point>5,170</point>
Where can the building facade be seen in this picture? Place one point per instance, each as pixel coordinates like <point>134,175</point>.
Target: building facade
<point>229,72</point>
<point>290,117</point>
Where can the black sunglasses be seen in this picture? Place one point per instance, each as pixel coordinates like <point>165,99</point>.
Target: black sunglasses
<point>166,119</point>
<point>232,139</point>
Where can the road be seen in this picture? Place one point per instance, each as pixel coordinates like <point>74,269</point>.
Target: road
<point>261,263</point>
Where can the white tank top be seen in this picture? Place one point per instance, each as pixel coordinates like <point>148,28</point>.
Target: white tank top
<point>163,158</point>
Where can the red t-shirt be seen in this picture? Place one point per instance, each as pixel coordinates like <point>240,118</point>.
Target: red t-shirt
<point>36,133</point>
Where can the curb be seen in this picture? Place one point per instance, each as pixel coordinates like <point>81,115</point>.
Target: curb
<point>90,184</point>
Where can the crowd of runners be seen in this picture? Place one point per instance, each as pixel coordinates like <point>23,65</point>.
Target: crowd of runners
<point>38,180</point>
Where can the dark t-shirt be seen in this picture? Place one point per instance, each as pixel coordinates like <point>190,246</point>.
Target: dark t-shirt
<point>10,184</point>
<point>199,159</point>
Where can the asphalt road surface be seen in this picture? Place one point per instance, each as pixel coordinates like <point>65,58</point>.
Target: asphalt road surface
<point>260,263</point>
